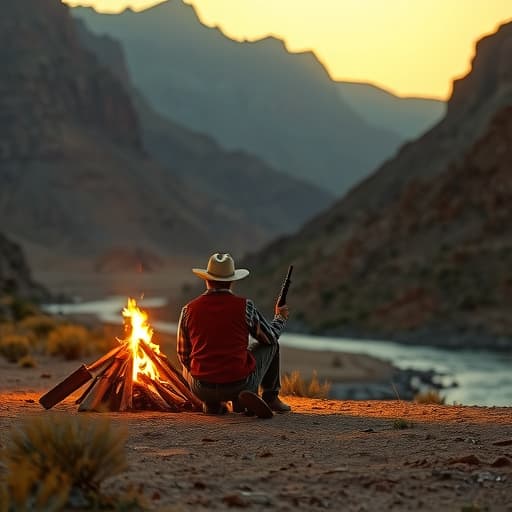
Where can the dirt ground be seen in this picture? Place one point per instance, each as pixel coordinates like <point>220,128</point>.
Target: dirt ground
<point>325,454</point>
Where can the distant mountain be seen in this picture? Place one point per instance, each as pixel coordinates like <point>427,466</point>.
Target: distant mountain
<point>408,117</point>
<point>282,203</point>
<point>422,250</point>
<point>77,186</point>
<point>252,96</point>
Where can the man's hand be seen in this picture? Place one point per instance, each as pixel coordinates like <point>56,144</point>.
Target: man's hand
<point>283,311</point>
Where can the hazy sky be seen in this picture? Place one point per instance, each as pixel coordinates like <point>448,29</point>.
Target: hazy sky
<point>411,47</point>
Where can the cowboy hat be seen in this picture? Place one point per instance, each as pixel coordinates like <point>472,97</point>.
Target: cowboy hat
<point>221,267</point>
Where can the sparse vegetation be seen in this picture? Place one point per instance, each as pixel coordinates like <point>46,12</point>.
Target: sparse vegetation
<point>431,396</point>
<point>27,362</point>
<point>69,341</point>
<point>401,424</point>
<point>40,325</point>
<point>294,384</point>
<point>14,346</point>
<point>53,458</point>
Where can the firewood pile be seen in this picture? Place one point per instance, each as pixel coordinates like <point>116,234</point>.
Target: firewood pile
<point>133,376</point>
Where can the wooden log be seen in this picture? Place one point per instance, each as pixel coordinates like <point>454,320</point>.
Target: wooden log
<point>176,401</point>
<point>62,390</point>
<point>87,391</point>
<point>97,400</point>
<point>76,380</point>
<point>170,376</point>
<point>116,393</point>
<point>146,383</point>
<point>178,375</point>
<point>106,358</point>
<point>126,403</point>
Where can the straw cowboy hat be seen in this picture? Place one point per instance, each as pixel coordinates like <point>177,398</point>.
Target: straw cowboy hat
<point>221,267</point>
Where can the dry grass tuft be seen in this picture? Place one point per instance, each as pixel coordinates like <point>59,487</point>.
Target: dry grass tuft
<point>431,396</point>
<point>14,346</point>
<point>27,362</point>
<point>52,459</point>
<point>294,384</point>
<point>401,424</point>
<point>69,341</point>
<point>40,325</point>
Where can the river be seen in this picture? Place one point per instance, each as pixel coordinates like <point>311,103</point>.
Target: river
<point>483,377</point>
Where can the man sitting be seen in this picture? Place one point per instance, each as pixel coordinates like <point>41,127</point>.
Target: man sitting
<point>218,361</point>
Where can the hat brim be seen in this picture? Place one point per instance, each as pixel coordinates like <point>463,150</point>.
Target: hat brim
<point>240,273</point>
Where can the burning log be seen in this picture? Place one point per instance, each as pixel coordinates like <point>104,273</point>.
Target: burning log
<point>133,376</point>
<point>153,394</point>
<point>171,375</point>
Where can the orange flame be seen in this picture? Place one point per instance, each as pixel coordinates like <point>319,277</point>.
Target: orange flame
<point>136,321</point>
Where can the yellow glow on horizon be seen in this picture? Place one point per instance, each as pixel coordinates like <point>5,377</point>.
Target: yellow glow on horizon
<point>410,47</point>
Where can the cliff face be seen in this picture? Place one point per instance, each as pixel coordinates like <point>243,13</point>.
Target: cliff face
<point>282,203</point>
<point>15,275</point>
<point>76,184</point>
<point>250,96</point>
<point>475,100</point>
<point>50,87</point>
<point>431,259</point>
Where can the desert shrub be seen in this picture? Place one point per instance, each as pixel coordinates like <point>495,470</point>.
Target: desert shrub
<point>40,325</point>
<point>27,362</point>
<point>295,384</point>
<point>53,458</point>
<point>431,396</point>
<point>104,338</point>
<point>401,424</point>
<point>14,346</point>
<point>69,341</point>
<point>27,489</point>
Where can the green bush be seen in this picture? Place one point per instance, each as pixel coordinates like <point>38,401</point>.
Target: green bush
<point>295,384</point>
<point>69,341</point>
<point>52,457</point>
<point>14,346</point>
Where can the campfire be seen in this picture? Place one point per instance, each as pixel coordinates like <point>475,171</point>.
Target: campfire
<point>133,376</point>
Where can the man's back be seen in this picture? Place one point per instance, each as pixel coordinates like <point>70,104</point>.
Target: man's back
<point>218,332</point>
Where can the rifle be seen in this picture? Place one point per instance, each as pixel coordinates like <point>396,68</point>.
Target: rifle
<point>281,299</point>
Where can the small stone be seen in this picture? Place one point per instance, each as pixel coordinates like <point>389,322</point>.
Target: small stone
<point>235,500</point>
<point>472,460</point>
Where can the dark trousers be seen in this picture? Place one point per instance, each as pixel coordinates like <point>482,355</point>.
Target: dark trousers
<point>266,374</point>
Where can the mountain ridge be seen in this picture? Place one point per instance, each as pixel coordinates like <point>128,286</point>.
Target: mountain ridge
<point>306,131</point>
<point>75,180</point>
<point>417,252</point>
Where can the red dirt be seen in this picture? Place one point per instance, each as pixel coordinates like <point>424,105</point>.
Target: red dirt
<point>326,454</point>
